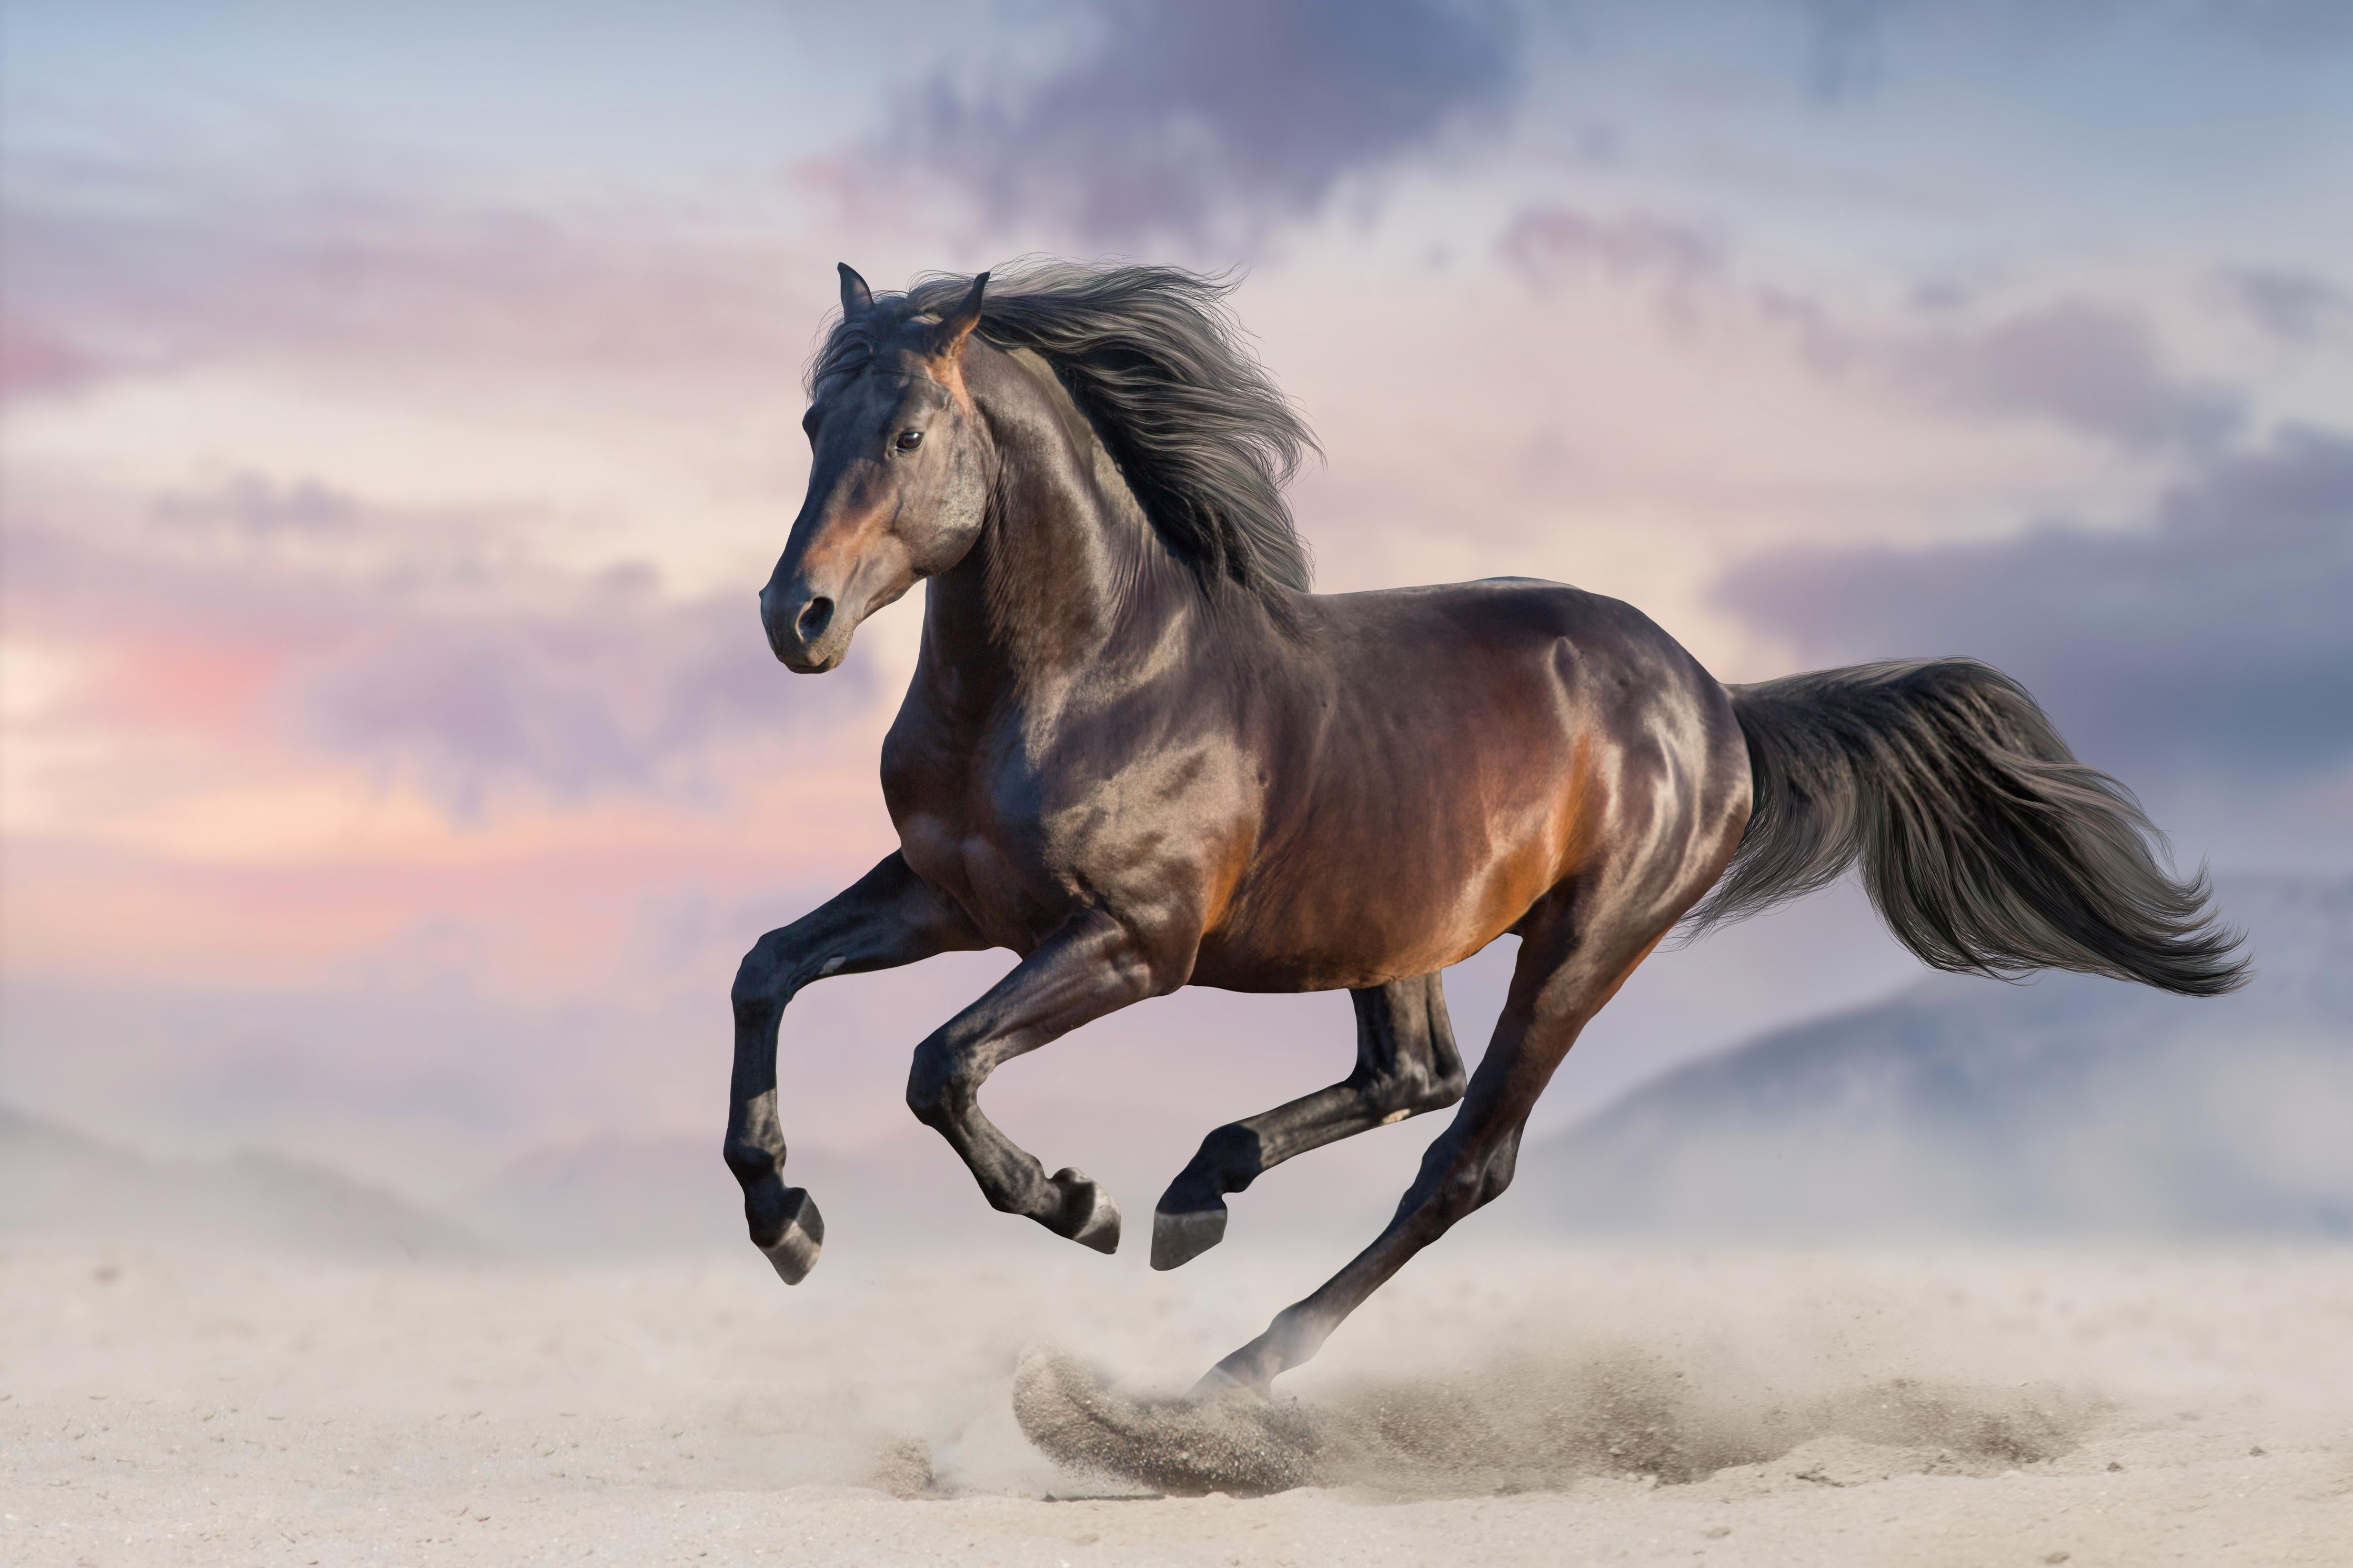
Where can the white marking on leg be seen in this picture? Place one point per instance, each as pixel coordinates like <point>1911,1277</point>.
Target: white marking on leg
<point>830,964</point>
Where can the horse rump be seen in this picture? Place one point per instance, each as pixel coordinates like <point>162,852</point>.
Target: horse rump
<point>1985,845</point>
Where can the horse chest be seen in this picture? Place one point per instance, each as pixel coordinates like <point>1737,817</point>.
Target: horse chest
<point>971,819</point>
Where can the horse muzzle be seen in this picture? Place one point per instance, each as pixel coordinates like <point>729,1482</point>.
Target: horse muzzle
<point>807,631</point>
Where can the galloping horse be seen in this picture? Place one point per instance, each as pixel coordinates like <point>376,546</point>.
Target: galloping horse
<point>1140,753</point>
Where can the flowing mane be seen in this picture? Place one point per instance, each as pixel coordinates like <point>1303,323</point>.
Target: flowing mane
<point>1154,359</point>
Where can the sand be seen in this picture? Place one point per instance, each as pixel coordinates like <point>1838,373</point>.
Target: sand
<point>1497,1404</point>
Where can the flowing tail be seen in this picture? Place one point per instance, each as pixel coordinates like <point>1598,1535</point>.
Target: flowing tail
<point>1985,845</point>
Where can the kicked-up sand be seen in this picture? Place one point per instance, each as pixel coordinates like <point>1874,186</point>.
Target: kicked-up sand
<point>1495,1404</point>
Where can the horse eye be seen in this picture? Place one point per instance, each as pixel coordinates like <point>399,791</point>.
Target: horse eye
<point>910,439</point>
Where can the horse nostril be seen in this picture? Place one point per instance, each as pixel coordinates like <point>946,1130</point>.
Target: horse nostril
<point>816,616</point>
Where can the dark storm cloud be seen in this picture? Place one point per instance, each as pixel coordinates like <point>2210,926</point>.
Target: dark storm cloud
<point>2213,640</point>
<point>1203,117</point>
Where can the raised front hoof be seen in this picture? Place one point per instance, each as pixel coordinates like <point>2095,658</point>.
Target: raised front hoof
<point>1179,1238</point>
<point>1087,1214</point>
<point>794,1251</point>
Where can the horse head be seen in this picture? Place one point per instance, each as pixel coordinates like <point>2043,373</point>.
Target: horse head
<point>899,473</point>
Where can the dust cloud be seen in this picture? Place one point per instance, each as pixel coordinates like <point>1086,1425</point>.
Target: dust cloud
<point>1527,1424</point>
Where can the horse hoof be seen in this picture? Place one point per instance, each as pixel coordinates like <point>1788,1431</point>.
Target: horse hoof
<point>1218,1384</point>
<point>794,1252</point>
<point>1179,1238</point>
<point>1089,1217</point>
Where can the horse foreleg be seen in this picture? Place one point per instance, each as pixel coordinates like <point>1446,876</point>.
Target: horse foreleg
<point>1406,1063</point>
<point>1090,967</point>
<point>888,917</point>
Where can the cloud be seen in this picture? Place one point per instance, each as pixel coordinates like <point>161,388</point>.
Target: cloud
<point>1543,242</point>
<point>1196,117</point>
<point>1851,45</point>
<point>2211,641</point>
<point>143,259</point>
<point>429,645</point>
<point>2299,309</point>
<point>2087,367</point>
<point>35,363</point>
<point>611,688</point>
<point>2096,370</point>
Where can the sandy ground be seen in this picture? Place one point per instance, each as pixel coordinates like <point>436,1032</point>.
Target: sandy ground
<point>1494,1406</point>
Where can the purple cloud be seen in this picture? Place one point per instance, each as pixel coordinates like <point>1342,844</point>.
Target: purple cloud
<point>2090,368</point>
<point>2211,641</point>
<point>2297,308</point>
<point>1545,242</point>
<point>2096,370</point>
<point>1214,116</point>
<point>143,259</point>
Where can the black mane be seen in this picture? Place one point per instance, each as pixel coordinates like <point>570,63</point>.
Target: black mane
<point>1157,363</point>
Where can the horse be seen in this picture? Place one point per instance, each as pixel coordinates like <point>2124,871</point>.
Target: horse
<point>1137,752</point>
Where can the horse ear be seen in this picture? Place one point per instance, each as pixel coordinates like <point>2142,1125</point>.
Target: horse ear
<point>958,324</point>
<point>857,299</point>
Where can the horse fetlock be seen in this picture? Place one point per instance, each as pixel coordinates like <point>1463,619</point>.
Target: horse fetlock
<point>767,1205</point>
<point>1254,1368</point>
<point>749,1161</point>
<point>1082,1211</point>
<point>1231,1158</point>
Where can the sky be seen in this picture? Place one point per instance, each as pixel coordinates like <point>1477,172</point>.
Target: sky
<point>399,405</point>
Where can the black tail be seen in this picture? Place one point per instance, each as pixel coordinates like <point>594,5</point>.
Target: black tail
<point>1984,844</point>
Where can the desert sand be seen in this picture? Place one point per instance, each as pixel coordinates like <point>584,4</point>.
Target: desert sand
<point>1503,1403</point>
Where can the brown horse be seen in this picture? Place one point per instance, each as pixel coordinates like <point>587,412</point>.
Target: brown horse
<point>1137,752</point>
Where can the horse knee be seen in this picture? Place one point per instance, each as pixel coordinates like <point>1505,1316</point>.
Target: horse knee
<point>760,978</point>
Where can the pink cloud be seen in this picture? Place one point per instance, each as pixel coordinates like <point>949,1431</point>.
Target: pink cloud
<point>38,363</point>
<point>410,643</point>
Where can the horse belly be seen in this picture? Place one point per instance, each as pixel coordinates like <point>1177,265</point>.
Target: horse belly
<point>1421,887</point>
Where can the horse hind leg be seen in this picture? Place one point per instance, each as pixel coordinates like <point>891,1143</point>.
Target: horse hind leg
<point>1564,976</point>
<point>1406,1063</point>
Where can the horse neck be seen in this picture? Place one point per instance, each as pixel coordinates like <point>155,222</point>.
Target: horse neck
<point>1067,575</point>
